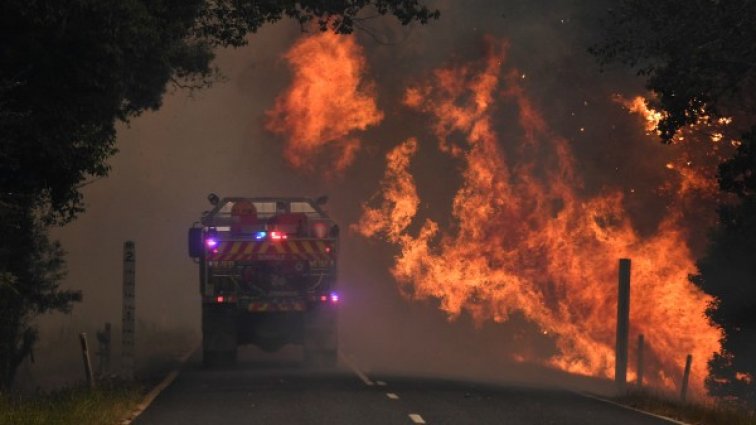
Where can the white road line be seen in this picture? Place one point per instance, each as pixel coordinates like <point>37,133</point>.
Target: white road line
<point>416,418</point>
<point>674,421</point>
<point>392,396</point>
<point>380,383</point>
<point>355,369</point>
<point>150,397</point>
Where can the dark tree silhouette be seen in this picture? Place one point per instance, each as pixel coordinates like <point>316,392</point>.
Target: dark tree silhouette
<point>728,271</point>
<point>27,288</point>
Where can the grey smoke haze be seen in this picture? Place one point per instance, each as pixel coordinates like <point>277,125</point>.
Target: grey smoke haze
<point>213,141</point>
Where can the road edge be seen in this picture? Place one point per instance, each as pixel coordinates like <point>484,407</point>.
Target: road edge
<point>624,406</point>
<point>155,391</point>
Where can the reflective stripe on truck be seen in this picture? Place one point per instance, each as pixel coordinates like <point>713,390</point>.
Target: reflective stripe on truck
<point>310,250</point>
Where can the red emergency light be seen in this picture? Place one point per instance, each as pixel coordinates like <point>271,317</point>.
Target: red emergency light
<point>221,299</point>
<point>277,236</point>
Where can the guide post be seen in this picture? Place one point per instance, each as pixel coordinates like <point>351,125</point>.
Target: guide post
<point>128,317</point>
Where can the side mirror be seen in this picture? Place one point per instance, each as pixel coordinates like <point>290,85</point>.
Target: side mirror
<point>322,200</point>
<point>213,198</point>
<point>196,245</point>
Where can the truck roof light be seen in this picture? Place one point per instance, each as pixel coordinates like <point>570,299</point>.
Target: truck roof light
<point>260,235</point>
<point>220,299</point>
<point>334,297</point>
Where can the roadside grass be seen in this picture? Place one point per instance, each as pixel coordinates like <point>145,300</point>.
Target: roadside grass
<point>107,405</point>
<point>50,392</point>
<point>691,412</point>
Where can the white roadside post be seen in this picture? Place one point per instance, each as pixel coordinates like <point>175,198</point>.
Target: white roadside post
<point>128,316</point>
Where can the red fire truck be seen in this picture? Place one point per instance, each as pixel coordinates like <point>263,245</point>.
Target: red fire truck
<point>267,272</point>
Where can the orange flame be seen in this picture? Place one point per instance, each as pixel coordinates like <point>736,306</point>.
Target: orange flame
<point>639,105</point>
<point>745,377</point>
<point>526,241</point>
<point>328,100</point>
<point>697,155</point>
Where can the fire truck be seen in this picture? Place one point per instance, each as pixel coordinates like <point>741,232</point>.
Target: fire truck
<point>267,276</point>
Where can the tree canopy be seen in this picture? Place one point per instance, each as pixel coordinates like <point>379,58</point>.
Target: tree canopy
<point>698,56</point>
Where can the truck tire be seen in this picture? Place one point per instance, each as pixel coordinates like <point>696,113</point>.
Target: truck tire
<point>219,335</point>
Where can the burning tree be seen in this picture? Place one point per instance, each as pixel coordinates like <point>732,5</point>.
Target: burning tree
<point>699,58</point>
<point>525,238</point>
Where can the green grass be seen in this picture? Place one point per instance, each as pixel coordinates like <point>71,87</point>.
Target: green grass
<point>693,413</point>
<point>107,405</point>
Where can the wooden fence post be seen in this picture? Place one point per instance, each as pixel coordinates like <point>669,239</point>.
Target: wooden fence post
<point>623,325</point>
<point>640,361</point>
<point>85,357</point>
<point>686,377</point>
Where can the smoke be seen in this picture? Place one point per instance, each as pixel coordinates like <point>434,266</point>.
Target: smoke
<point>216,141</point>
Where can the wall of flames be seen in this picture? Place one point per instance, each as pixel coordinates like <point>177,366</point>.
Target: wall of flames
<point>525,239</point>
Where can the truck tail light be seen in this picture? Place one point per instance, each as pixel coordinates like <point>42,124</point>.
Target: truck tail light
<point>221,299</point>
<point>333,298</point>
<point>277,236</point>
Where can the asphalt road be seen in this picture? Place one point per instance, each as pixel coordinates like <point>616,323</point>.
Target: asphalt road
<point>270,391</point>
